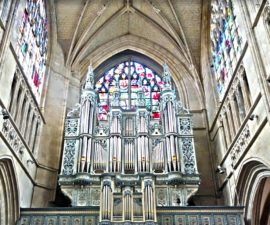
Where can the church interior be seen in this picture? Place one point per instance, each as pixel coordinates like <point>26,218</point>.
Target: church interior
<point>131,112</point>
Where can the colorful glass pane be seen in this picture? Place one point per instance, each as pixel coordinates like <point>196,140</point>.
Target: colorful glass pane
<point>226,43</point>
<point>32,44</point>
<point>130,76</point>
<point>155,115</point>
<point>134,95</point>
<point>102,116</point>
<point>103,96</point>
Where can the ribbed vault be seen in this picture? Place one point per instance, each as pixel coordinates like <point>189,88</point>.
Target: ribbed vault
<point>92,31</point>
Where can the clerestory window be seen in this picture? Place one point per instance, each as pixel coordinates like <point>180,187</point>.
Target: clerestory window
<point>32,44</point>
<point>226,43</point>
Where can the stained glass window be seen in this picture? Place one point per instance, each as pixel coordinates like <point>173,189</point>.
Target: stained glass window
<point>131,76</point>
<point>226,42</point>
<point>32,44</point>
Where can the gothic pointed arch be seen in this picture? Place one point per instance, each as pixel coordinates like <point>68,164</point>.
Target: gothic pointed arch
<point>253,187</point>
<point>184,74</point>
<point>9,194</point>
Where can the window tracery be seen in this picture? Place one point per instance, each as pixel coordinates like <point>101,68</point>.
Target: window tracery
<point>226,43</point>
<point>32,44</point>
<point>129,77</point>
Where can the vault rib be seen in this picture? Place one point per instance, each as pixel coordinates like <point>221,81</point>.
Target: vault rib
<point>180,28</point>
<point>76,31</point>
<point>148,19</point>
<point>76,54</point>
<point>82,37</point>
<point>171,29</point>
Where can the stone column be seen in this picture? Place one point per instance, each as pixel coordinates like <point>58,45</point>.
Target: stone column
<point>36,139</point>
<point>18,116</point>
<point>230,121</point>
<point>234,110</point>
<point>245,92</point>
<point>241,104</point>
<point>33,134</point>
<point>25,115</point>
<point>13,107</point>
<point>29,126</point>
<point>223,132</point>
<point>226,127</point>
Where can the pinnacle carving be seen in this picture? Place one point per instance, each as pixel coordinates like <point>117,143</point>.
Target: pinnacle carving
<point>89,83</point>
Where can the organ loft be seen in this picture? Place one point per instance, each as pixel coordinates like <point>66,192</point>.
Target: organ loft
<point>128,146</point>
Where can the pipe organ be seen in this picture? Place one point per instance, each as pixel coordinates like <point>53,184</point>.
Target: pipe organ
<point>131,163</point>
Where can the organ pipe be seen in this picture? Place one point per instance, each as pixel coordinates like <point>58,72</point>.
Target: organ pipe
<point>82,118</point>
<point>146,161</point>
<point>166,119</point>
<point>168,153</point>
<point>88,159</point>
<point>170,116</point>
<point>92,119</point>
<point>119,155</point>
<point>113,146</point>
<point>79,157</point>
<point>173,153</point>
<point>177,154</point>
<point>174,119</point>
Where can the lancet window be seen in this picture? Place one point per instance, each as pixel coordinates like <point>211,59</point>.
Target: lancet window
<point>32,44</point>
<point>226,43</point>
<point>129,76</point>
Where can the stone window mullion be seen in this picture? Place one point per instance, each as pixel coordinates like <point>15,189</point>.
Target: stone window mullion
<point>244,89</point>
<point>29,126</point>
<point>20,105</point>
<point>37,135</point>
<point>221,120</point>
<point>25,116</point>
<point>230,121</point>
<point>240,101</point>
<point>234,110</point>
<point>33,134</point>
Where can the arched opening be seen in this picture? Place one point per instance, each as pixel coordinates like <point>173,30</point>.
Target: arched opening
<point>185,79</point>
<point>254,192</point>
<point>262,203</point>
<point>9,194</point>
<point>131,73</point>
<point>127,55</point>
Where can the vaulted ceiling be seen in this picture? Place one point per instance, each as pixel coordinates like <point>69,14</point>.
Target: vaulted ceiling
<point>83,26</point>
